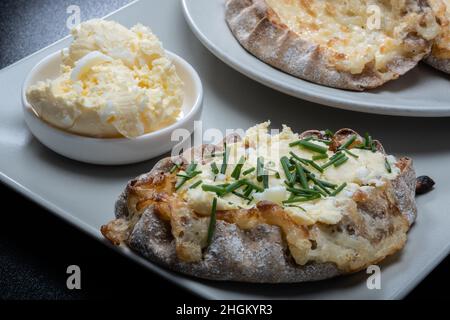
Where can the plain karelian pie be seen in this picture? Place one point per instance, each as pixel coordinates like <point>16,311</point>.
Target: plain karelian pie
<point>351,44</point>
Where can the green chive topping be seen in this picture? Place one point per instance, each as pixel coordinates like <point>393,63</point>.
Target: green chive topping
<point>248,171</point>
<point>260,169</point>
<point>301,199</point>
<point>174,168</point>
<point>301,175</point>
<point>295,206</point>
<point>214,168</point>
<point>285,163</point>
<point>329,133</point>
<point>235,185</point>
<point>266,181</point>
<point>320,190</point>
<point>327,142</point>
<point>387,165</point>
<point>333,160</point>
<point>319,183</point>
<point>190,173</point>
<point>338,190</point>
<point>195,185</point>
<point>301,191</point>
<point>351,153</point>
<point>237,170</point>
<point>341,161</point>
<point>310,146</point>
<point>320,157</point>
<point>348,143</point>
<point>212,222</point>
<point>307,162</point>
<point>368,141</point>
<point>226,155</point>
<point>254,186</point>
<point>242,196</point>
<point>220,191</point>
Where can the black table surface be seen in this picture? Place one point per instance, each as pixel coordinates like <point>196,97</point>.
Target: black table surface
<point>35,246</point>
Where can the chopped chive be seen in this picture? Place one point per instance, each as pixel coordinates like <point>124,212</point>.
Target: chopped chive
<point>300,199</point>
<point>254,186</point>
<point>266,181</point>
<point>260,169</point>
<point>315,166</point>
<point>174,168</point>
<point>195,185</point>
<point>319,183</point>
<point>242,196</point>
<point>351,153</point>
<point>373,147</point>
<point>387,165</point>
<point>212,222</point>
<point>320,190</point>
<point>337,155</point>
<point>329,133</point>
<point>212,188</point>
<point>214,168</point>
<point>320,157</point>
<point>248,171</point>
<point>189,176</point>
<point>307,162</point>
<point>237,170</point>
<point>348,143</point>
<point>235,185</point>
<point>338,190</point>
<point>310,146</point>
<point>294,206</point>
<point>277,175</point>
<point>248,191</point>
<point>226,155</point>
<point>285,164</point>
<point>301,175</point>
<point>190,173</point>
<point>333,160</point>
<point>301,191</point>
<point>327,184</point>
<point>327,142</point>
<point>341,161</point>
<point>192,166</point>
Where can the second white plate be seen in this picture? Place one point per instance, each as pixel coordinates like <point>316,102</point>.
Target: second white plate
<point>423,92</point>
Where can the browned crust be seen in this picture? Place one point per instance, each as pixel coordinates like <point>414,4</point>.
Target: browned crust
<point>260,32</point>
<point>438,58</point>
<point>257,255</point>
<point>438,63</point>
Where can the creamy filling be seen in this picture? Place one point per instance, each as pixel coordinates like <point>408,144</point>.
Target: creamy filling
<point>361,170</point>
<point>357,32</point>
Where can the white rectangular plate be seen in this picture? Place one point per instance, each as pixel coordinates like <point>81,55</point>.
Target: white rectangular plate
<point>84,195</point>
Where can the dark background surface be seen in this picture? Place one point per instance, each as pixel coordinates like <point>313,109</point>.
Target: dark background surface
<point>35,246</point>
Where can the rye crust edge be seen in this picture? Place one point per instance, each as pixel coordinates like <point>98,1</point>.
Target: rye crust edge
<point>258,255</point>
<point>260,31</point>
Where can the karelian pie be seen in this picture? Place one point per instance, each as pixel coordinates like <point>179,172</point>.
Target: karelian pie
<point>348,44</point>
<point>270,208</point>
<point>440,53</point>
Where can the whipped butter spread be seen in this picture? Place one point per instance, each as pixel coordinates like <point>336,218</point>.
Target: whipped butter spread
<point>115,82</point>
<point>266,167</point>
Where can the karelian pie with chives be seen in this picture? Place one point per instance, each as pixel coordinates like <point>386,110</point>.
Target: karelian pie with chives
<point>348,44</point>
<point>440,53</point>
<point>270,208</point>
